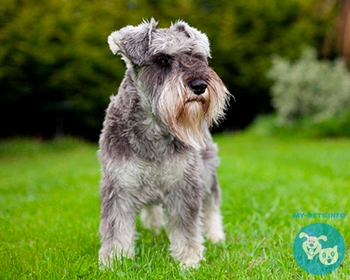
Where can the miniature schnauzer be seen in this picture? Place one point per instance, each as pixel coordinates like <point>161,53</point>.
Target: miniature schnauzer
<point>155,150</point>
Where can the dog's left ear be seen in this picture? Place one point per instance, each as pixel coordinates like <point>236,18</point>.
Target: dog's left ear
<point>132,42</point>
<point>323,237</point>
<point>201,40</point>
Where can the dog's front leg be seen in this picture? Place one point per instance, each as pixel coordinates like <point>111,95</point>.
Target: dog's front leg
<point>117,225</point>
<point>183,224</point>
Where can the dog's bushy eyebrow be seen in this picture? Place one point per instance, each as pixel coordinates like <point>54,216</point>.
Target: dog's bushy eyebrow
<point>199,56</point>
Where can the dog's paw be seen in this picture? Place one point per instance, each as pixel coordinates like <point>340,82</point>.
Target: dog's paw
<point>192,263</point>
<point>105,262</point>
<point>188,256</point>
<point>216,236</point>
<point>108,257</point>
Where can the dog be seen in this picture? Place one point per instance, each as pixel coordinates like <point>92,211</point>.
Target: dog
<point>155,148</point>
<point>311,245</point>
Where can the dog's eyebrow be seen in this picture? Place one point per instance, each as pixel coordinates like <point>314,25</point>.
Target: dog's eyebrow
<point>195,54</point>
<point>199,56</point>
<point>162,54</point>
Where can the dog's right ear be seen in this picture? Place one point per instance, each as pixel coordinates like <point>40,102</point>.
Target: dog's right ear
<point>303,235</point>
<point>132,42</point>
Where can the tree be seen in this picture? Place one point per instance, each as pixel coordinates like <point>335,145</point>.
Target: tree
<point>338,38</point>
<point>56,71</point>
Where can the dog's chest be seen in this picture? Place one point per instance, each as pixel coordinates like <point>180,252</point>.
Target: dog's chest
<point>138,173</point>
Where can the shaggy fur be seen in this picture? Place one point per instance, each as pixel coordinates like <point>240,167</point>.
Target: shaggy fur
<point>156,152</point>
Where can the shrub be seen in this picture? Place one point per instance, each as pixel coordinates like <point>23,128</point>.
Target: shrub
<point>312,92</point>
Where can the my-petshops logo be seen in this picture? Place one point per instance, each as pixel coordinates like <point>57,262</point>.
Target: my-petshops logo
<point>319,248</point>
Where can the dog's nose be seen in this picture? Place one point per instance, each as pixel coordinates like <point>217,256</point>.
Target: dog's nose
<point>198,86</point>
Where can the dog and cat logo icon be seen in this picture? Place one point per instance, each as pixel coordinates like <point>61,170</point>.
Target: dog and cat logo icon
<point>312,247</point>
<point>319,248</point>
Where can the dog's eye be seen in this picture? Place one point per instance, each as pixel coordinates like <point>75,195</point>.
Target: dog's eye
<point>163,61</point>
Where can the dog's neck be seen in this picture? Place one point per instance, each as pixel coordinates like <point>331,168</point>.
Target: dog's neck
<point>150,137</point>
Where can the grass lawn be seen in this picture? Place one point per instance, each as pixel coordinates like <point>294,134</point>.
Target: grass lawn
<point>49,210</point>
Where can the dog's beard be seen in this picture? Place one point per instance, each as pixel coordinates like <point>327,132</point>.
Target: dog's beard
<point>188,115</point>
<point>190,124</point>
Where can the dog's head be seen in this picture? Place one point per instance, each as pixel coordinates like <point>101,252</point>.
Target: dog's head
<point>312,245</point>
<point>170,69</point>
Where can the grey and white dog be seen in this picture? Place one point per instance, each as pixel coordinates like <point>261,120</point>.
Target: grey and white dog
<point>155,148</point>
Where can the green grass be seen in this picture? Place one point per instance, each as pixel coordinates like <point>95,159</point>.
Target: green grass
<point>49,210</point>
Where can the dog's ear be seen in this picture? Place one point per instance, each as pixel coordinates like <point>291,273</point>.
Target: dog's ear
<point>132,42</point>
<point>202,42</point>
<point>323,237</point>
<point>303,234</point>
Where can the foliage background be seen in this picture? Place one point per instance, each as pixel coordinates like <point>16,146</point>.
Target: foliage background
<point>57,73</point>
<point>311,95</point>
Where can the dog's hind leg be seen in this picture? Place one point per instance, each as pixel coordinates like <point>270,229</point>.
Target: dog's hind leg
<point>152,218</point>
<point>212,198</point>
<point>117,225</point>
<point>212,216</point>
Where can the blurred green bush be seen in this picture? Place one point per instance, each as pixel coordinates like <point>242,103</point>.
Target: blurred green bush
<point>312,94</point>
<point>57,72</point>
